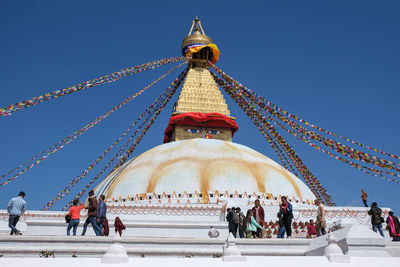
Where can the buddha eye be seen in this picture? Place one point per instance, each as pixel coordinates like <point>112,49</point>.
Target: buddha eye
<point>192,130</point>
<point>213,132</point>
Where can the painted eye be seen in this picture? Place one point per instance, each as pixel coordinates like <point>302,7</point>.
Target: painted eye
<point>213,132</point>
<point>193,131</point>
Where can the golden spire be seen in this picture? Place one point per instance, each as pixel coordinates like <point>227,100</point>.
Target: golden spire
<point>197,37</point>
<point>199,92</point>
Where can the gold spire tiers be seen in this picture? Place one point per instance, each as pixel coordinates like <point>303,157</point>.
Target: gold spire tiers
<point>200,93</point>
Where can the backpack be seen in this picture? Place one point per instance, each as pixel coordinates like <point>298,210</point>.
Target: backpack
<point>241,218</point>
<point>235,218</point>
<point>67,218</point>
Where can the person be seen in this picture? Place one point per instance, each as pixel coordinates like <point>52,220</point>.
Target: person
<point>102,208</point>
<point>258,214</point>
<point>15,208</point>
<point>393,226</point>
<point>251,225</point>
<point>75,213</point>
<point>235,221</point>
<point>229,219</point>
<point>286,210</point>
<point>241,222</point>
<point>281,232</point>
<point>92,214</point>
<point>311,230</point>
<point>213,233</point>
<point>320,224</point>
<point>119,226</point>
<point>376,218</point>
<point>364,197</point>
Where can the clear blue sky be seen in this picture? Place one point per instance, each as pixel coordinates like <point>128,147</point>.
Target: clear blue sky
<point>333,63</point>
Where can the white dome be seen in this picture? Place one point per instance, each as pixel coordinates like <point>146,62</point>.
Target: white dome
<point>202,165</point>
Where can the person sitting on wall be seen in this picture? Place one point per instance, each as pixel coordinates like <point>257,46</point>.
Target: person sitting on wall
<point>213,233</point>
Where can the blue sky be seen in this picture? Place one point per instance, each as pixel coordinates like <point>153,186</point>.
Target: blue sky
<point>333,63</point>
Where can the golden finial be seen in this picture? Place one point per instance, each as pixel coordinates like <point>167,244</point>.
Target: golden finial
<point>196,36</point>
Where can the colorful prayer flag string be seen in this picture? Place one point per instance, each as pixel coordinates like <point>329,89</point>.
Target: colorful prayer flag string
<point>6,111</point>
<point>152,107</point>
<point>336,146</point>
<point>158,109</point>
<point>307,135</point>
<point>310,179</point>
<point>51,150</point>
<point>268,103</point>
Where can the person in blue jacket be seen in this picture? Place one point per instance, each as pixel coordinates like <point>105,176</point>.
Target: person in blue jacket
<point>16,207</point>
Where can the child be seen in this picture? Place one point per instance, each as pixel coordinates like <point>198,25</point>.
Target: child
<point>311,231</point>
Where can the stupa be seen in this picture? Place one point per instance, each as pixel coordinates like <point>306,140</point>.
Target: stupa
<point>199,162</point>
<point>182,187</point>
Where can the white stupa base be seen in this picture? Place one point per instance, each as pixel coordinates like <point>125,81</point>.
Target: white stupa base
<point>234,258</point>
<point>230,251</point>
<point>116,253</point>
<point>339,258</point>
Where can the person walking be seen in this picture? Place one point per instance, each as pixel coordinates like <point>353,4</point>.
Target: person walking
<point>75,213</point>
<point>393,226</point>
<point>235,222</point>
<point>364,197</point>
<point>286,210</point>
<point>229,216</point>
<point>15,208</point>
<point>92,214</point>
<point>259,215</point>
<point>101,216</point>
<point>281,232</point>
<point>376,218</point>
<point>320,224</point>
<point>241,227</point>
<point>251,225</point>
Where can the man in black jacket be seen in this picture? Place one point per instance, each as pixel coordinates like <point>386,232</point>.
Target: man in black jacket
<point>229,219</point>
<point>376,218</point>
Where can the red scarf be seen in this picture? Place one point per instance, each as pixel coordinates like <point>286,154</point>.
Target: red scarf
<point>285,206</point>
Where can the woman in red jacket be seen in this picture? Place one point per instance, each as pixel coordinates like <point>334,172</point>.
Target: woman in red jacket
<point>75,213</point>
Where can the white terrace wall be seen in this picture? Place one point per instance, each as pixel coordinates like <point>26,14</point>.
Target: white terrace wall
<point>191,220</point>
